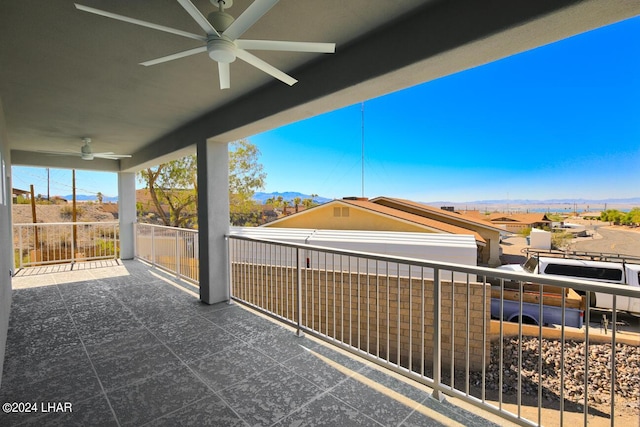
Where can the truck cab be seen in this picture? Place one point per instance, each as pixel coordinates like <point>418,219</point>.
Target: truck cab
<point>600,271</point>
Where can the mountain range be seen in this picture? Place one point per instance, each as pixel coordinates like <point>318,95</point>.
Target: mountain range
<point>290,195</point>
<point>261,197</point>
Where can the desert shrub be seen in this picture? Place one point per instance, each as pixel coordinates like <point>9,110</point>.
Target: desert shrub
<point>561,240</point>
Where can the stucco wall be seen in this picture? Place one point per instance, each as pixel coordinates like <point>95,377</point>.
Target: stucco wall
<point>328,218</point>
<point>6,255</point>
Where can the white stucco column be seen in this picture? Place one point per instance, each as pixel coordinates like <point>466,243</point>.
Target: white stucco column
<point>126,212</point>
<point>213,220</point>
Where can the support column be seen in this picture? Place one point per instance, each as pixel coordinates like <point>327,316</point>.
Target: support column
<point>213,220</point>
<point>126,212</point>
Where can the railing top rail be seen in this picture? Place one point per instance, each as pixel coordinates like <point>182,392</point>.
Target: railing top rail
<point>168,227</point>
<point>584,285</point>
<point>45,224</point>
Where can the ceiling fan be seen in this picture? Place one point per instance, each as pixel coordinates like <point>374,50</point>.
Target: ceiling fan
<point>222,42</point>
<point>86,153</point>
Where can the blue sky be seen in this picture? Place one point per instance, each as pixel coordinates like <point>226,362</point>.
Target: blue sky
<point>560,121</point>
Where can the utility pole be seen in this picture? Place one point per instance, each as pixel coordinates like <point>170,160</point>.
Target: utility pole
<point>73,213</point>
<point>362,138</point>
<point>33,216</point>
<point>48,185</point>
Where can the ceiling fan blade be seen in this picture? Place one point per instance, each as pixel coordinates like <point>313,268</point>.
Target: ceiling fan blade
<point>249,17</point>
<point>286,46</point>
<point>267,68</point>
<point>59,153</point>
<point>225,75</point>
<point>139,22</point>
<point>111,156</point>
<point>177,55</point>
<point>198,17</point>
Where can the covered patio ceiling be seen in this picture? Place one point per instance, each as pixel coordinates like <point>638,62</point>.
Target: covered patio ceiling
<point>67,74</point>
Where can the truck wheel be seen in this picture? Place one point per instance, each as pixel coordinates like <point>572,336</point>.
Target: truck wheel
<point>526,320</point>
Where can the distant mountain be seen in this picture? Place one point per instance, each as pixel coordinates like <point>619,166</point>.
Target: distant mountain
<point>629,201</point>
<point>288,196</point>
<point>91,198</point>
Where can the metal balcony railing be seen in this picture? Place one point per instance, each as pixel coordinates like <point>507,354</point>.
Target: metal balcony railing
<point>172,249</point>
<point>432,322</point>
<point>64,242</point>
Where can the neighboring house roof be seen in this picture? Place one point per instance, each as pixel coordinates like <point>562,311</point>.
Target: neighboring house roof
<point>431,210</point>
<point>521,218</point>
<point>430,224</point>
<point>19,192</point>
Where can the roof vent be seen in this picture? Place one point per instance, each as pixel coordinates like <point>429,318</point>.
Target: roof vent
<point>362,199</point>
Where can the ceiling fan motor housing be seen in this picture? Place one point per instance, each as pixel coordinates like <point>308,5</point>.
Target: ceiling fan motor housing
<point>85,150</point>
<point>220,20</point>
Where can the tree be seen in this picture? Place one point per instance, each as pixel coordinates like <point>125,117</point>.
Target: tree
<point>296,202</point>
<point>612,215</point>
<point>99,197</point>
<point>173,186</point>
<point>633,217</point>
<point>246,175</point>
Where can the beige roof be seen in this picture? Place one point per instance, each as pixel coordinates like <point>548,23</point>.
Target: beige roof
<point>475,220</point>
<point>522,218</point>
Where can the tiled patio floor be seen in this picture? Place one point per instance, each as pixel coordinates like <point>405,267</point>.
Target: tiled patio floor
<point>125,345</point>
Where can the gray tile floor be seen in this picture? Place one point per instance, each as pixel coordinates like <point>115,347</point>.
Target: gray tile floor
<point>132,349</point>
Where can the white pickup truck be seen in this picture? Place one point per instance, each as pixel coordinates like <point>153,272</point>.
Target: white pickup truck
<point>600,271</point>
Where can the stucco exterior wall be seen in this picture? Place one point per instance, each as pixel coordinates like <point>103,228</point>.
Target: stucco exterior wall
<point>339,216</point>
<point>6,247</point>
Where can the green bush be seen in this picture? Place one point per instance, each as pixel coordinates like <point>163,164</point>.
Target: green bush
<point>525,232</point>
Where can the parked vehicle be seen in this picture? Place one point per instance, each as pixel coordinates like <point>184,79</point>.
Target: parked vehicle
<point>505,304</point>
<point>598,267</point>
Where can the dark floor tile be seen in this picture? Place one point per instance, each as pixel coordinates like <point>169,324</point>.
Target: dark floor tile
<point>228,367</point>
<point>432,412</point>
<point>145,401</point>
<point>72,386</point>
<point>97,328</point>
<point>210,411</point>
<point>180,326</point>
<point>94,412</point>
<point>28,369</point>
<point>126,367</point>
<point>41,347</point>
<point>193,347</point>
<point>224,314</point>
<point>23,314</point>
<point>135,339</point>
<point>379,405</point>
<point>266,398</point>
<point>99,304</point>
<point>327,411</point>
<point>42,294</point>
<point>325,368</point>
<point>280,343</point>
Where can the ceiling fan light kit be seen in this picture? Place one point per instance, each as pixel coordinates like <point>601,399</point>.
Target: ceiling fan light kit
<point>221,50</point>
<point>222,38</point>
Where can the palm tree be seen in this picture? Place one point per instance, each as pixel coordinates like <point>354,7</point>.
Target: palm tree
<point>285,203</point>
<point>99,197</point>
<point>296,202</point>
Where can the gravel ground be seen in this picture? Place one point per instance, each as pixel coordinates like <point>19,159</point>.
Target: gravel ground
<point>627,371</point>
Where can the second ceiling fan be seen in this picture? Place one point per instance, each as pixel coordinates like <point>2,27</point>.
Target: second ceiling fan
<point>222,41</point>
